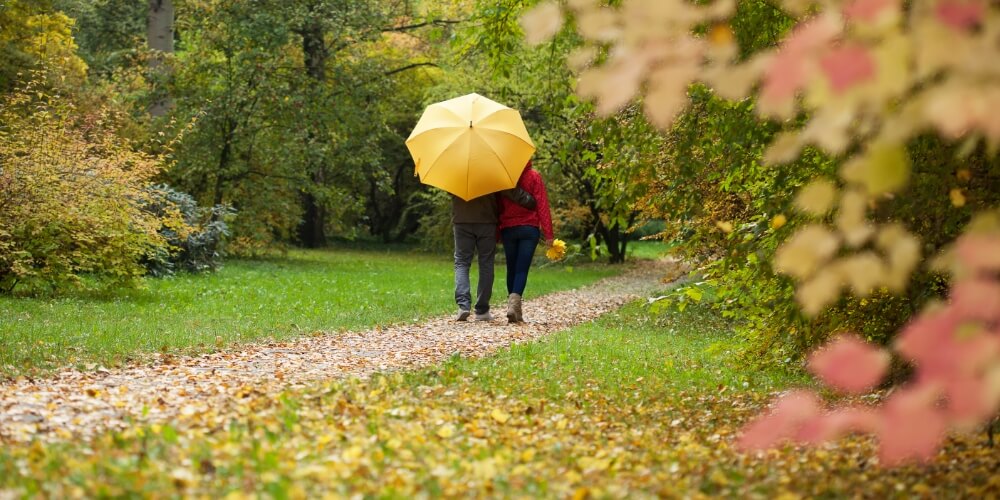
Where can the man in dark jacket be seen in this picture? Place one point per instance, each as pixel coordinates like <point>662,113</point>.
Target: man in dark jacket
<point>475,226</point>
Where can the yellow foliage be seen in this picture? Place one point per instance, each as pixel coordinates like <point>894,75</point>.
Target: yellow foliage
<point>71,198</point>
<point>557,251</point>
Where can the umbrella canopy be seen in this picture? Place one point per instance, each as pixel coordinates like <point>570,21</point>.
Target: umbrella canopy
<point>470,146</point>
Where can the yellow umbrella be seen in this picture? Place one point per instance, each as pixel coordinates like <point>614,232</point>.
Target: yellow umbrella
<point>470,146</point>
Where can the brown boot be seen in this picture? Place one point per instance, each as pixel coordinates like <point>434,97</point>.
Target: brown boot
<point>511,311</point>
<point>516,299</point>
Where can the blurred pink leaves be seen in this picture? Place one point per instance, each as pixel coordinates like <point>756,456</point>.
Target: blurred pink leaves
<point>861,65</point>
<point>847,66</point>
<point>961,14</point>
<point>954,349</point>
<point>849,364</point>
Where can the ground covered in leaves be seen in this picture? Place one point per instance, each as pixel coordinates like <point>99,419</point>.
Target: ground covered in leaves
<point>625,406</point>
<point>75,404</point>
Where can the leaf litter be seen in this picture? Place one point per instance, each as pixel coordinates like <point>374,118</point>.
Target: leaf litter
<point>75,404</point>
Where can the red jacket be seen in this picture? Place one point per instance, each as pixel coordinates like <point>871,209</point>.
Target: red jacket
<point>512,214</point>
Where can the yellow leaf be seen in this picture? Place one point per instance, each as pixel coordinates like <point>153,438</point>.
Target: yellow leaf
<point>724,226</point>
<point>805,251</point>
<point>903,252</point>
<point>542,23</point>
<point>783,149</point>
<point>592,464</point>
<point>721,34</point>
<point>820,291</point>
<point>884,168</point>
<point>667,92</point>
<point>718,477</point>
<point>446,431</point>
<point>817,197</point>
<point>863,272</point>
<point>598,24</point>
<point>851,218</point>
<point>957,197</point>
<point>353,453</point>
<point>499,415</point>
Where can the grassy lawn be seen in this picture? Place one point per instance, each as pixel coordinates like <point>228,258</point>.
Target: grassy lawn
<point>628,355</point>
<point>624,407</point>
<point>246,300</point>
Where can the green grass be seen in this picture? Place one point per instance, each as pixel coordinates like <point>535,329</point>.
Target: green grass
<point>625,354</point>
<point>279,298</point>
<point>647,249</point>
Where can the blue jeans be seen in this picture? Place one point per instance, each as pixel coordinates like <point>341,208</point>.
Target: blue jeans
<point>519,243</point>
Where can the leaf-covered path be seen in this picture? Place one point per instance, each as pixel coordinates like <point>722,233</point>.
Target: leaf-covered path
<point>75,404</point>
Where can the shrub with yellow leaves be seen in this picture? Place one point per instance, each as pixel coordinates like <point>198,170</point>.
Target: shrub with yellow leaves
<point>71,199</point>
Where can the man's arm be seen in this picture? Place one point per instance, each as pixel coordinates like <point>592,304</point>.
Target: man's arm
<point>521,197</point>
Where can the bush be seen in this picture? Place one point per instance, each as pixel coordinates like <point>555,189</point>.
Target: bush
<point>71,198</point>
<point>195,247</point>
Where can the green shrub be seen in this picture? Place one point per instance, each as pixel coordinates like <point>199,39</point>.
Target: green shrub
<point>198,245</point>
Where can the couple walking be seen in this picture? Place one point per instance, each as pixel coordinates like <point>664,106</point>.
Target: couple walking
<point>520,216</point>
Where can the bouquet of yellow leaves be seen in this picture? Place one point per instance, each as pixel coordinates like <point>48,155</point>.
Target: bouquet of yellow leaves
<point>557,251</point>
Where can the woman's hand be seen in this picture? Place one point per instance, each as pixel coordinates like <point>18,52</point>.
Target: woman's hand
<point>548,243</point>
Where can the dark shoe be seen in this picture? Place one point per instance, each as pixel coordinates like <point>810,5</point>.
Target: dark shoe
<point>516,299</point>
<point>486,316</point>
<point>463,315</point>
<point>511,313</point>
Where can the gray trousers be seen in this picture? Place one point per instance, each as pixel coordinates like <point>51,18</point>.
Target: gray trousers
<point>471,239</point>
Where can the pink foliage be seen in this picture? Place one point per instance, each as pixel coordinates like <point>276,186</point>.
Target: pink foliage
<point>912,427</point>
<point>849,364</point>
<point>979,252</point>
<point>837,424</point>
<point>955,352</point>
<point>786,75</point>
<point>847,66</point>
<point>977,299</point>
<point>961,14</point>
<point>784,421</point>
<point>791,67</point>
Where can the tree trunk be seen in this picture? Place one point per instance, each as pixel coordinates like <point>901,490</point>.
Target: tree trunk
<point>224,158</point>
<point>160,38</point>
<point>312,231</point>
<point>615,240</point>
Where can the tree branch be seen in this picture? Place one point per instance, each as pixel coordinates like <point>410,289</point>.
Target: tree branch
<point>409,67</point>
<point>435,22</point>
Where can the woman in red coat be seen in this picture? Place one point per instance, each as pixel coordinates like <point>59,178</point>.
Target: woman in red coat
<point>520,230</point>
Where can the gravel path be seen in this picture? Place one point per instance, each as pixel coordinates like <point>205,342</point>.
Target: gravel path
<point>73,404</point>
